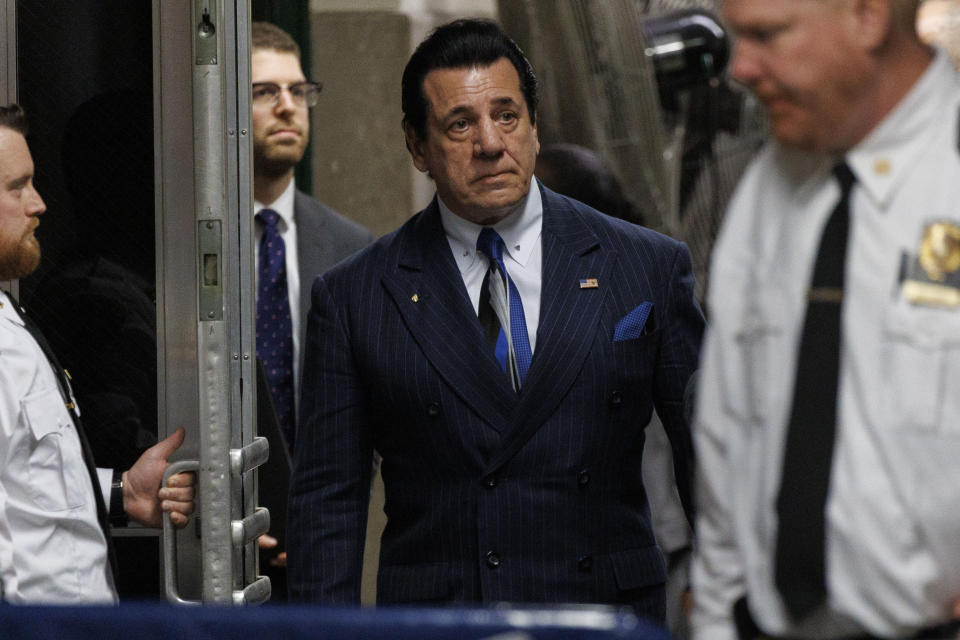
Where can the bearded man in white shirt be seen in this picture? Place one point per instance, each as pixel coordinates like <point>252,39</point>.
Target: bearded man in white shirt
<point>55,542</point>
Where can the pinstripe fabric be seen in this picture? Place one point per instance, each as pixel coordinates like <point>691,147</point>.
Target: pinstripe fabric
<point>548,479</point>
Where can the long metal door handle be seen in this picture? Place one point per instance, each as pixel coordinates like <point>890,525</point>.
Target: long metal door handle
<point>170,539</point>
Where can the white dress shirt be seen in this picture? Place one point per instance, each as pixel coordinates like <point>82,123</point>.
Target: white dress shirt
<point>52,549</point>
<point>523,257</point>
<point>892,516</point>
<point>287,228</point>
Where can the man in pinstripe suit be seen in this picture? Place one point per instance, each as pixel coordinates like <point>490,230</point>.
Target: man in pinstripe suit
<point>502,484</point>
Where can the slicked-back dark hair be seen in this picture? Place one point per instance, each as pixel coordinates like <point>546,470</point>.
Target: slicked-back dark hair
<point>465,43</point>
<point>13,117</point>
<point>266,35</point>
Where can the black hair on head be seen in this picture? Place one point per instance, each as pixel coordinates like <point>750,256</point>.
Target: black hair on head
<point>464,43</point>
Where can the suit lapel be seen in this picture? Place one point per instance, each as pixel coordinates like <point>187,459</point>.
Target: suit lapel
<point>569,316</point>
<point>430,296</point>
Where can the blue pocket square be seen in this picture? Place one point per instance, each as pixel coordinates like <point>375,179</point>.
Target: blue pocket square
<point>631,325</point>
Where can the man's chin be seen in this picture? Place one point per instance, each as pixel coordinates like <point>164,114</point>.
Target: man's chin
<point>278,159</point>
<point>504,198</point>
<point>792,136</point>
<point>19,265</point>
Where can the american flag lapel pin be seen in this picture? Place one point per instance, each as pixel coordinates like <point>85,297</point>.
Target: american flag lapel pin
<point>589,283</point>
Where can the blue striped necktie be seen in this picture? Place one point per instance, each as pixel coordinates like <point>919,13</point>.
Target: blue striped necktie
<point>500,293</point>
<point>274,325</point>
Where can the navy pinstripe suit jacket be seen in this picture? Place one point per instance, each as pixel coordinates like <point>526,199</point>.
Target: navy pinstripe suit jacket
<point>491,495</point>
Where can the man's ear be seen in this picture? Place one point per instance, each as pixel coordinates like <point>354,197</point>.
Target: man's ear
<point>870,22</point>
<point>536,136</point>
<point>415,147</point>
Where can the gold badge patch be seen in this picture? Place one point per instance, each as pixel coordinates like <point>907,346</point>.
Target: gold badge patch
<point>940,250</point>
<point>932,276</point>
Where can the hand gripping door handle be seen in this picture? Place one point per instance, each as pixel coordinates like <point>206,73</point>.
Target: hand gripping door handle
<point>242,531</point>
<point>170,538</point>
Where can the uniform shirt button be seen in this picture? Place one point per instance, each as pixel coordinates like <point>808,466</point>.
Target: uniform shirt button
<point>490,482</point>
<point>583,478</point>
<point>584,563</point>
<point>493,559</point>
<point>433,410</point>
<point>616,398</point>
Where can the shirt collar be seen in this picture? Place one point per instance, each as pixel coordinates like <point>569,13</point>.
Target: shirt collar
<point>7,310</point>
<point>894,148</point>
<point>520,230</point>
<point>282,205</point>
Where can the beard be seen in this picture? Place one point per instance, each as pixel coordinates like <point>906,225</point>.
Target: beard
<point>274,161</point>
<point>21,259</point>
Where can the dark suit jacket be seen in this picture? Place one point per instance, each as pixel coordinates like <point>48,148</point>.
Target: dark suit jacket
<point>491,495</point>
<point>324,238</point>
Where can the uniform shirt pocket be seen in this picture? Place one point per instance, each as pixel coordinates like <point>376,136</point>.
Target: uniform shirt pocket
<point>56,469</point>
<point>921,366</point>
<point>761,349</point>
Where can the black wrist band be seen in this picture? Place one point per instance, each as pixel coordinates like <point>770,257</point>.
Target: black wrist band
<point>118,517</point>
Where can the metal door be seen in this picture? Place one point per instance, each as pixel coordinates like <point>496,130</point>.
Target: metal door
<point>203,105</point>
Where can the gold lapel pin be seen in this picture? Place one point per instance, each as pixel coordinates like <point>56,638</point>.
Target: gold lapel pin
<point>415,297</point>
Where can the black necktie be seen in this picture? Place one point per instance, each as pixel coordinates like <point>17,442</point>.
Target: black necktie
<point>103,516</point>
<point>801,534</point>
<point>488,317</point>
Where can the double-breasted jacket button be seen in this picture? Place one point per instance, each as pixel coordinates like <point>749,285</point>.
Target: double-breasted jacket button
<point>583,478</point>
<point>584,563</point>
<point>616,398</point>
<point>433,410</point>
<point>493,559</point>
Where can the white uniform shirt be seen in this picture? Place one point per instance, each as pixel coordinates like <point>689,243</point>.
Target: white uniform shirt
<point>893,511</point>
<point>287,227</point>
<point>523,256</point>
<point>52,549</point>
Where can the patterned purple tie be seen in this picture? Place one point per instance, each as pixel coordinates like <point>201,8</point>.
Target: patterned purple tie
<point>274,326</point>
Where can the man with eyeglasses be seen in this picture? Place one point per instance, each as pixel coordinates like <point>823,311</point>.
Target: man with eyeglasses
<point>297,238</point>
<point>314,236</point>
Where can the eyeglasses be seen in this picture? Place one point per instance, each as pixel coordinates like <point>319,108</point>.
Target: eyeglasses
<point>304,94</point>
